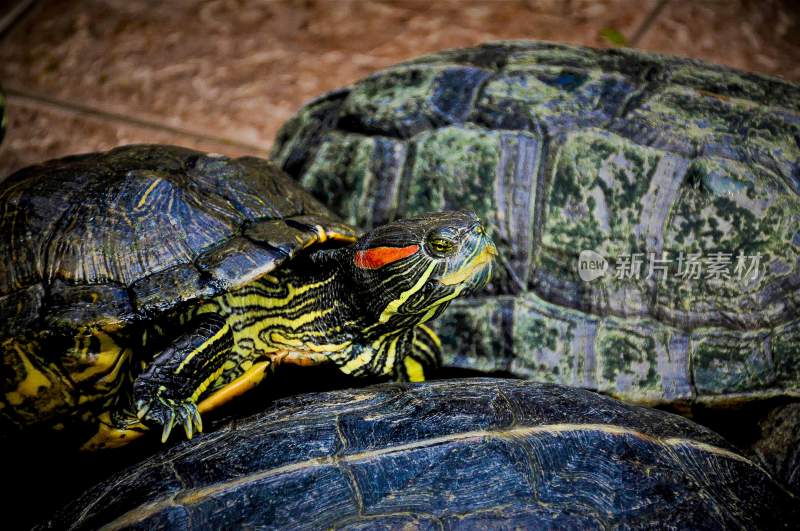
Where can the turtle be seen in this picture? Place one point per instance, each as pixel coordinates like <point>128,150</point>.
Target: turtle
<point>148,284</point>
<point>445,454</point>
<point>646,211</point>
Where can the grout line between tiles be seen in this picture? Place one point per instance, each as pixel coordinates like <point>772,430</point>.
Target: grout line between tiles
<point>24,96</point>
<point>648,23</point>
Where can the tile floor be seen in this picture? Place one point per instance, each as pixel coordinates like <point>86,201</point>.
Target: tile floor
<point>223,75</point>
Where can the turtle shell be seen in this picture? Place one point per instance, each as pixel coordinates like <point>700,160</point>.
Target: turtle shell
<point>443,455</point>
<point>563,149</point>
<point>119,236</point>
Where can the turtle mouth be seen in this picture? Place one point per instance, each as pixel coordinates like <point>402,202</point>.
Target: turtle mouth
<point>477,271</point>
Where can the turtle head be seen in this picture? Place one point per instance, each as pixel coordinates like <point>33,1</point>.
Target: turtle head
<point>409,270</point>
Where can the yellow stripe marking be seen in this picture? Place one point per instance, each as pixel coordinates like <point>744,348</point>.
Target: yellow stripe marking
<point>432,309</point>
<point>414,370</point>
<point>358,362</point>
<point>328,347</point>
<point>393,306</point>
<point>277,338</point>
<point>203,347</point>
<point>460,275</point>
<point>150,188</point>
<point>419,345</point>
<point>431,334</point>
<point>270,302</point>
<point>340,236</point>
<point>422,345</point>
<point>391,356</point>
<point>207,382</point>
<point>299,321</point>
<point>280,339</point>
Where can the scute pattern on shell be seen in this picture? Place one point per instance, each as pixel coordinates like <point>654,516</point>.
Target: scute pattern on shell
<point>137,229</point>
<point>444,454</point>
<point>561,149</point>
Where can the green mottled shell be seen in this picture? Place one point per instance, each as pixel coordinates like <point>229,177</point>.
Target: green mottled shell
<point>561,149</point>
<point>127,234</point>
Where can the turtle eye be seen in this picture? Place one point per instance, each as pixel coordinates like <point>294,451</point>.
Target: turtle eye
<point>441,246</point>
<point>440,243</point>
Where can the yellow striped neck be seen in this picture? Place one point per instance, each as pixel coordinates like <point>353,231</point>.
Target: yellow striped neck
<point>306,308</point>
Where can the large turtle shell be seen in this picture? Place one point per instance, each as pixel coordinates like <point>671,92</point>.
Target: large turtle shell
<point>109,238</point>
<point>443,455</point>
<point>562,149</point>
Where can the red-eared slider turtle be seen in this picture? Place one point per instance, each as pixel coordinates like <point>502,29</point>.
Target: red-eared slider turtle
<point>465,454</point>
<point>671,185</point>
<point>153,282</point>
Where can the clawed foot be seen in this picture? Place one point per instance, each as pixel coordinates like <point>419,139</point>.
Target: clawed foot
<point>168,413</point>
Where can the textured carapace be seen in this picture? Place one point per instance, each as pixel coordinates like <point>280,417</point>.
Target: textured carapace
<point>474,454</point>
<point>106,250</point>
<point>561,149</point>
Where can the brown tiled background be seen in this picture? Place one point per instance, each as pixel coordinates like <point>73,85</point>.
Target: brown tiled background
<point>223,75</point>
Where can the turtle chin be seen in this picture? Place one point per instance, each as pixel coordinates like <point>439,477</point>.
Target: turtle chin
<point>479,279</point>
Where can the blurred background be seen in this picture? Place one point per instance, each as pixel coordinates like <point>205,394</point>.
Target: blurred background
<point>223,75</point>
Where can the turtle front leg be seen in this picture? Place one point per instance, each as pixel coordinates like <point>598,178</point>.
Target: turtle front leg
<point>168,391</point>
<point>424,356</point>
<point>405,355</point>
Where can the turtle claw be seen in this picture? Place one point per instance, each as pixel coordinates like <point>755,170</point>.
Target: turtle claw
<point>170,413</point>
<point>187,423</point>
<point>198,422</point>
<point>169,421</point>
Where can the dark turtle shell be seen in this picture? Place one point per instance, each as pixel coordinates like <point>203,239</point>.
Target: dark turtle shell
<point>117,236</point>
<point>561,149</point>
<point>447,454</point>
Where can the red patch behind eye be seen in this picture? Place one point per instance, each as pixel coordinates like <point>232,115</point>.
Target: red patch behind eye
<point>380,256</point>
